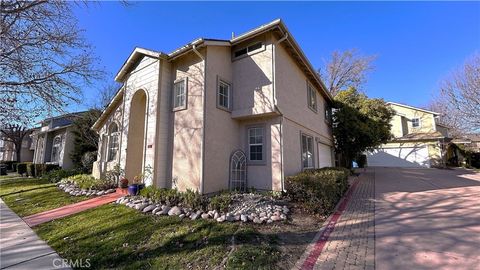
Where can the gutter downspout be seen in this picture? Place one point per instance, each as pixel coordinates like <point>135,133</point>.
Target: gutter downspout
<point>278,109</point>
<point>202,153</point>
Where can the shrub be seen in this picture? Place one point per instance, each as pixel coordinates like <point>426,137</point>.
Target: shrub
<point>318,191</point>
<point>86,181</point>
<point>220,202</point>
<point>193,199</point>
<point>87,161</point>
<point>30,169</point>
<point>362,161</point>
<point>162,195</point>
<point>14,166</point>
<point>22,168</point>
<point>9,165</point>
<point>57,175</point>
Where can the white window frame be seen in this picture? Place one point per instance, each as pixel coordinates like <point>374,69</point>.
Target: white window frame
<point>56,147</point>
<point>261,128</point>
<point>305,154</point>
<point>221,82</point>
<point>419,122</point>
<point>249,52</point>
<point>312,92</point>
<point>110,148</point>
<point>185,94</point>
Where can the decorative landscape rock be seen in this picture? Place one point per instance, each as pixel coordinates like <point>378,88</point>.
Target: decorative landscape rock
<point>256,208</point>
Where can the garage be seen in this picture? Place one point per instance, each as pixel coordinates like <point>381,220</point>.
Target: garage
<point>324,155</point>
<point>399,157</point>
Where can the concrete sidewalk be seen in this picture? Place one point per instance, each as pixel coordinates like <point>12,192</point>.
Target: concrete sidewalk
<point>20,247</point>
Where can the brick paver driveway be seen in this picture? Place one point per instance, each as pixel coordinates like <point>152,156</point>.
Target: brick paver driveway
<point>427,219</point>
<point>398,218</point>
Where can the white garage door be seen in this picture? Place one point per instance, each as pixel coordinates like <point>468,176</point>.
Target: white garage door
<point>399,157</point>
<point>324,155</point>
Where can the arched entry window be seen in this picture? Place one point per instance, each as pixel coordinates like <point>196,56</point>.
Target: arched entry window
<point>238,171</point>
<point>113,142</point>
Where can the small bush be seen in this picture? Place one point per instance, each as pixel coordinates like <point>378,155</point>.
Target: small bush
<point>86,181</point>
<point>220,202</point>
<point>31,169</point>
<point>57,175</point>
<point>162,195</point>
<point>318,191</point>
<point>9,165</point>
<point>22,168</point>
<point>193,199</point>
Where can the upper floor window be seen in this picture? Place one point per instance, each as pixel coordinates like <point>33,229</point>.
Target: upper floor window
<point>312,98</point>
<point>328,113</point>
<point>224,95</point>
<point>56,148</point>
<point>248,50</point>
<point>415,122</point>
<point>307,151</point>
<point>180,94</point>
<point>113,142</point>
<point>255,143</point>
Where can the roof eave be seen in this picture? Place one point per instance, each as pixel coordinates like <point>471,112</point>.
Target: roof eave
<point>134,56</point>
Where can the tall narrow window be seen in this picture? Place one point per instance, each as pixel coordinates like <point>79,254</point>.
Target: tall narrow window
<point>255,144</point>
<point>307,151</point>
<point>312,98</point>
<point>224,95</point>
<point>56,148</point>
<point>180,94</point>
<point>113,142</point>
<point>328,113</point>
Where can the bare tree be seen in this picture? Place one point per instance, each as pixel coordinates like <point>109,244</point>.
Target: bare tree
<point>459,98</point>
<point>104,96</point>
<point>346,69</point>
<point>44,59</point>
<point>14,133</point>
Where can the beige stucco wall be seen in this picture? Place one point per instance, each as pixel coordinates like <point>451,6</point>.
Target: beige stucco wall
<point>144,78</point>
<point>221,131</point>
<point>253,74</point>
<point>188,125</point>
<point>427,120</point>
<point>292,97</point>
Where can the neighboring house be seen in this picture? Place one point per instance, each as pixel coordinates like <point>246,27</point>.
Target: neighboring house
<point>418,140</point>
<point>470,142</point>
<point>8,153</point>
<point>54,141</point>
<point>218,114</point>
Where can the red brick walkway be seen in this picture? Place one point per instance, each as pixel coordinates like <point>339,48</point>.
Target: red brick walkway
<point>71,209</point>
<point>346,240</point>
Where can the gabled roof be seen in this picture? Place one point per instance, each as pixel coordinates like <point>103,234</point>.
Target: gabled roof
<point>413,108</point>
<point>277,25</point>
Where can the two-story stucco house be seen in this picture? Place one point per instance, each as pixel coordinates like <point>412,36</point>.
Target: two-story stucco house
<point>53,141</point>
<point>218,114</point>
<point>418,140</point>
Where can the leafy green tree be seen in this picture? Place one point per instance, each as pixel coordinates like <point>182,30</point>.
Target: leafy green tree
<point>359,124</point>
<point>86,140</point>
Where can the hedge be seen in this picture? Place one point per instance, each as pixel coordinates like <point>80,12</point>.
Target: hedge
<point>317,191</point>
<point>22,168</point>
<point>10,165</point>
<point>30,169</point>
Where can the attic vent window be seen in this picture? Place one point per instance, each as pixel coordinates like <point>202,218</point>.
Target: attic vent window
<point>249,50</point>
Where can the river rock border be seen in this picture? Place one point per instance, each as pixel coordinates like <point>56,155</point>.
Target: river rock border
<point>73,190</point>
<point>261,212</point>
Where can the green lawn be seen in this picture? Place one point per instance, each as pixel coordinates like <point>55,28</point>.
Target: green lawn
<point>27,196</point>
<point>115,236</point>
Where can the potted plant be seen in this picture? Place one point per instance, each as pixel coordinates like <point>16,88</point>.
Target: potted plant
<point>136,185</point>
